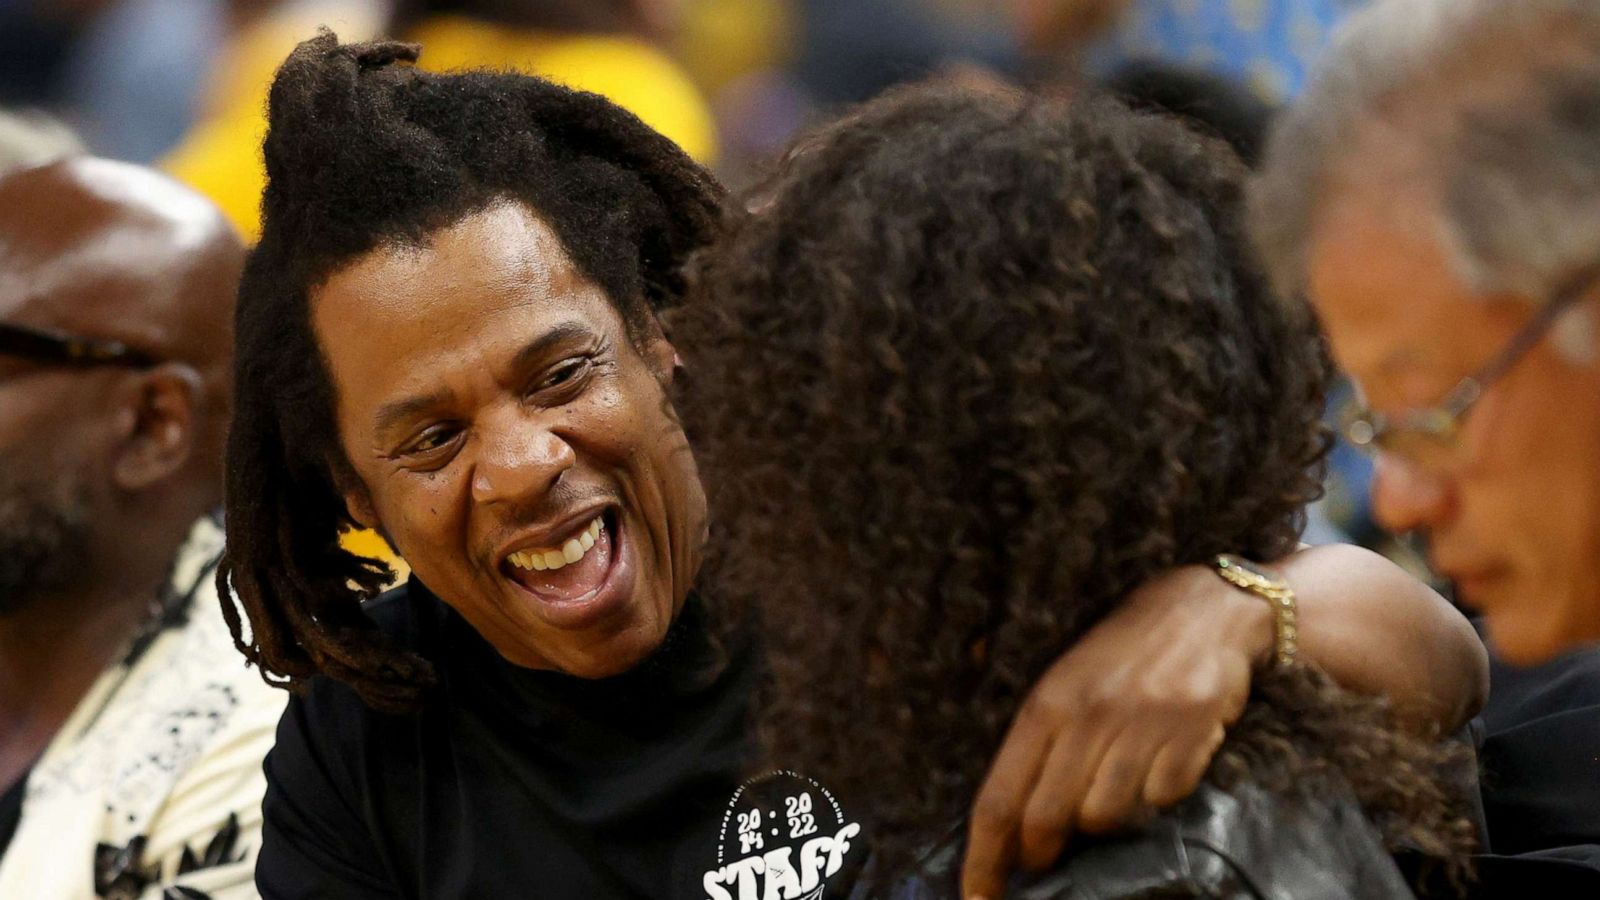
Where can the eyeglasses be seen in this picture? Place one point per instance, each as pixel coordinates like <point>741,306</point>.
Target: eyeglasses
<point>1429,438</point>
<point>56,348</point>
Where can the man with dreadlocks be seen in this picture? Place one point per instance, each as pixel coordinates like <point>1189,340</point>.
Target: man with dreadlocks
<point>448,333</point>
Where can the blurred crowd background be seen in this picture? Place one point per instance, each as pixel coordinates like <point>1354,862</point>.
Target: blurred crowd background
<point>181,84</point>
<point>146,80</point>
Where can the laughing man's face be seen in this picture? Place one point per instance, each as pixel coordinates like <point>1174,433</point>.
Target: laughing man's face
<point>513,442</point>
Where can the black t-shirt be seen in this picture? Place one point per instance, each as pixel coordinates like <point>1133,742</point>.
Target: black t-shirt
<point>1540,753</point>
<point>509,782</point>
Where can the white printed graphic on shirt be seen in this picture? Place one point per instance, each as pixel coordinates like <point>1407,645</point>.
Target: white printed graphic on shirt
<point>786,836</point>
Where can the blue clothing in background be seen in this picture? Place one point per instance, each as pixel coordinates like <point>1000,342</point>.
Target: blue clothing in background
<point>1268,44</point>
<point>133,85</point>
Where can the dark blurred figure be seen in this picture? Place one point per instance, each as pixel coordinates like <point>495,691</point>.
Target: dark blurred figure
<point>35,44</point>
<point>851,50</point>
<point>1212,103</point>
<point>1537,745</point>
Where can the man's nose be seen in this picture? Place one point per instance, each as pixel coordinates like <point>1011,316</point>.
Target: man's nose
<point>520,463</point>
<point>1407,498</point>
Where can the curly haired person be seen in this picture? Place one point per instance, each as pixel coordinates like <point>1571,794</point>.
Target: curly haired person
<point>974,367</point>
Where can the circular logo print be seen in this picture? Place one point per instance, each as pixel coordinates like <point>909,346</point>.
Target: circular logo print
<point>783,835</point>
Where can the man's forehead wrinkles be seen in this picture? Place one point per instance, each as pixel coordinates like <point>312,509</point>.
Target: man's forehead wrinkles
<point>526,277</point>
<point>494,288</point>
<point>514,302</point>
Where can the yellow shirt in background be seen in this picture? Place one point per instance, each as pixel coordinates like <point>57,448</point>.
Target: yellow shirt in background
<point>221,156</point>
<point>632,73</point>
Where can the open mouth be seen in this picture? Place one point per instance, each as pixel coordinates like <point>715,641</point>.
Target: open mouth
<point>572,571</point>
<point>572,551</point>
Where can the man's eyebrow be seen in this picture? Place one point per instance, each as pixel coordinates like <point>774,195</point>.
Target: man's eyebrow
<point>571,331</point>
<point>394,413</point>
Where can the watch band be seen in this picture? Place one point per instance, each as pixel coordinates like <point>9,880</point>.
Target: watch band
<point>1249,577</point>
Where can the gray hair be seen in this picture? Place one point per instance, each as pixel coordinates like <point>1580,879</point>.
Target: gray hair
<point>1489,113</point>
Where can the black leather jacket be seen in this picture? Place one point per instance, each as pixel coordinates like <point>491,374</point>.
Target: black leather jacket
<point>1238,845</point>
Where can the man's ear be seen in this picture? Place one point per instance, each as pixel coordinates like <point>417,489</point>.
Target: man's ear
<point>662,358</point>
<point>358,502</point>
<point>160,416</point>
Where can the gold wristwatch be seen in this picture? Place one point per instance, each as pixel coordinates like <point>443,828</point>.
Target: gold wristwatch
<point>1250,577</point>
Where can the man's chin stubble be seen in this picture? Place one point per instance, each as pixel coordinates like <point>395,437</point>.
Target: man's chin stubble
<point>44,549</point>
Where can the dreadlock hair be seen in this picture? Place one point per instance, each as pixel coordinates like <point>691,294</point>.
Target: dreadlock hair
<point>364,152</point>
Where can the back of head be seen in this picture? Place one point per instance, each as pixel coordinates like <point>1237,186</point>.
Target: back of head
<point>1480,119</point>
<point>976,367</point>
<point>363,151</point>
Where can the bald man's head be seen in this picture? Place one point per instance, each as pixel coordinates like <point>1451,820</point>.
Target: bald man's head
<point>110,249</point>
<point>109,252</point>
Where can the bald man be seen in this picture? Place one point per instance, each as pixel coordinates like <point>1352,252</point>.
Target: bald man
<point>131,734</point>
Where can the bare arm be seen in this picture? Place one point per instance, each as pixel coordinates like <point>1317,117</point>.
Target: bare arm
<point>1130,717</point>
<point>1377,630</point>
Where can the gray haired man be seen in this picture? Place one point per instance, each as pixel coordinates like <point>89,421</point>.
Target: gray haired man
<point>1436,193</point>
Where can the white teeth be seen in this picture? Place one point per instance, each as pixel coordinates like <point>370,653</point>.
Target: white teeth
<point>570,552</point>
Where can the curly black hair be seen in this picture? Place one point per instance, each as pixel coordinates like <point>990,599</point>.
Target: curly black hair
<point>972,368</point>
<point>362,152</point>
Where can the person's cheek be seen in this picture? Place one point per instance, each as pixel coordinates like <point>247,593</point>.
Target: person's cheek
<point>426,537</point>
<point>1578,568</point>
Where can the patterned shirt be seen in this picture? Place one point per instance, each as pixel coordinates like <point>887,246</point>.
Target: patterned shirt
<point>152,789</point>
